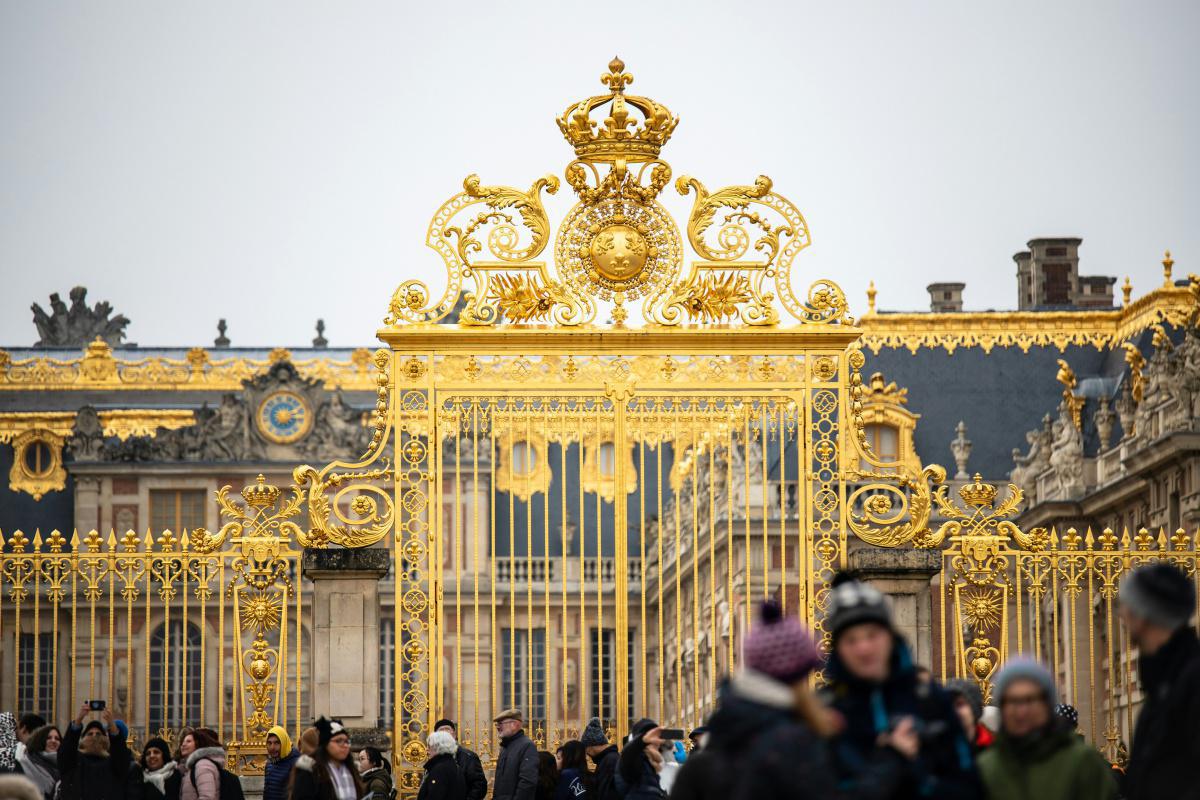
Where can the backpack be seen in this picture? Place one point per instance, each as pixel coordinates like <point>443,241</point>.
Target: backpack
<point>230,785</point>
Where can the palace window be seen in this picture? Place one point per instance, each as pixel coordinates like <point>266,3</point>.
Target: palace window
<point>604,686</point>
<point>884,441</point>
<point>36,695</point>
<point>175,676</point>
<point>524,684</point>
<point>176,509</point>
<point>387,676</point>
<point>524,458</point>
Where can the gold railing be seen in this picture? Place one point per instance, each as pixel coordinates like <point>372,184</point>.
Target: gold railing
<point>171,630</point>
<point>1049,595</point>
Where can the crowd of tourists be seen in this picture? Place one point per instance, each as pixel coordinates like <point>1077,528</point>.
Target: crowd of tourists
<point>879,728</point>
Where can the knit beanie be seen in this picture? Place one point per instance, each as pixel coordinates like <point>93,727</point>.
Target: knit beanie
<point>593,734</point>
<point>780,646</point>
<point>1159,593</point>
<point>327,729</point>
<point>94,724</point>
<point>968,690</point>
<point>445,723</point>
<point>1022,668</point>
<point>161,745</point>
<point>1068,713</point>
<point>852,602</point>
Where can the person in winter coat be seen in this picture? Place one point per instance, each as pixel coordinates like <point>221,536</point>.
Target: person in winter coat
<point>375,773</point>
<point>204,759</point>
<point>281,757</point>
<point>160,776</point>
<point>572,771</point>
<point>39,762</point>
<point>329,773</point>
<point>967,698</point>
<point>468,762</point>
<point>8,742</point>
<point>766,736</point>
<point>17,787</point>
<point>517,767</point>
<point>605,756</point>
<point>442,779</point>
<point>1036,754</point>
<point>547,776</point>
<point>640,762</point>
<point>900,738</point>
<point>94,760</point>
<point>27,723</point>
<point>1157,601</point>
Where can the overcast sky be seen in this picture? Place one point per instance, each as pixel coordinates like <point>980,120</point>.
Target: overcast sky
<point>272,163</point>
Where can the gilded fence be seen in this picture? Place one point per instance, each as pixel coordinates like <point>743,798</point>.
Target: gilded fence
<point>1049,595</point>
<point>171,630</point>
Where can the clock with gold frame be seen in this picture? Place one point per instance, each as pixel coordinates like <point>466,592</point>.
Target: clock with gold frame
<point>284,417</point>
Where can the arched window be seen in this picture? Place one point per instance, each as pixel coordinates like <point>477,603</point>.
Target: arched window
<point>174,701</point>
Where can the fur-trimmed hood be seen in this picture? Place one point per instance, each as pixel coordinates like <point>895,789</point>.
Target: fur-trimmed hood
<point>216,754</point>
<point>306,763</point>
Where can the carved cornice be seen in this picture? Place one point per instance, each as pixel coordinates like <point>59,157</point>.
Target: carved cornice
<point>99,369</point>
<point>1025,329</point>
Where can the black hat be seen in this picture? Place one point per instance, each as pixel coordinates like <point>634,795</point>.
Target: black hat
<point>968,690</point>
<point>1159,593</point>
<point>698,731</point>
<point>852,602</point>
<point>327,729</point>
<point>445,723</point>
<point>157,744</point>
<point>94,724</point>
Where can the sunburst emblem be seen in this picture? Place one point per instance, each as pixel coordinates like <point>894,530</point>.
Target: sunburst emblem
<point>260,610</point>
<point>981,608</point>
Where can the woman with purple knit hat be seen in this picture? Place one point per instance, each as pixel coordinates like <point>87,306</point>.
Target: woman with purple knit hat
<point>765,738</point>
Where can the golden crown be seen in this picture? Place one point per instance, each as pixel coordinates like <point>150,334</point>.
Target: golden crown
<point>619,136</point>
<point>261,494</point>
<point>978,494</point>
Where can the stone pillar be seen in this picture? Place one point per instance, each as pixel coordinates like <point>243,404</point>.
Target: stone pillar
<point>904,574</point>
<point>87,506</point>
<point>345,643</point>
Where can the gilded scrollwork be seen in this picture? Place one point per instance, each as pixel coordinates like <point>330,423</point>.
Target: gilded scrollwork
<point>894,515</point>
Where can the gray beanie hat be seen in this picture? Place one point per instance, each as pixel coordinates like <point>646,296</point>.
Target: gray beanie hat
<point>593,734</point>
<point>969,691</point>
<point>1022,668</point>
<point>1159,593</point>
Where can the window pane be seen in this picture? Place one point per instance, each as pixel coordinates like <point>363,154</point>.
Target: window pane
<point>173,703</point>
<point>176,509</point>
<point>36,696</point>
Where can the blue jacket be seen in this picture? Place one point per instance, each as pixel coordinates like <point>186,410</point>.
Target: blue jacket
<point>275,777</point>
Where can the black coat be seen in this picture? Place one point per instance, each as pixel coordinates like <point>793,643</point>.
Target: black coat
<point>944,768</point>
<point>311,780</point>
<point>1166,739</point>
<point>603,786</point>
<point>516,769</point>
<point>442,780</point>
<point>472,771</point>
<point>757,748</point>
<point>85,777</point>
<point>636,778</point>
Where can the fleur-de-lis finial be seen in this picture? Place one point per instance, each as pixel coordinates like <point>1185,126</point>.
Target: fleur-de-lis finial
<point>617,78</point>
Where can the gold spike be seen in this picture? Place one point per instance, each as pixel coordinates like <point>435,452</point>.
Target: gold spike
<point>1162,538</point>
<point>112,540</point>
<point>184,540</point>
<point>1053,538</point>
<point>75,540</point>
<point>1126,291</point>
<point>148,541</point>
<point>1125,540</point>
<point>1089,540</point>
<point>37,540</point>
<point>1167,263</point>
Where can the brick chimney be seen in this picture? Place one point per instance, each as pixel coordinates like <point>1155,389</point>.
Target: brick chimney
<point>945,297</point>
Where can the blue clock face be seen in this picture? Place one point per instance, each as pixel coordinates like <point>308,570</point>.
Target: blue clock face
<point>284,417</point>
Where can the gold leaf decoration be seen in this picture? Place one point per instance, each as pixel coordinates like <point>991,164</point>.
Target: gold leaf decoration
<point>520,299</point>
<point>715,298</point>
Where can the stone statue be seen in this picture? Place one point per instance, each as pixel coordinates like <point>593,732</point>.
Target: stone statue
<point>78,325</point>
<point>960,446</point>
<point>1103,417</point>
<point>1035,462</point>
<point>1066,456</point>
<point>87,437</point>
<point>338,431</point>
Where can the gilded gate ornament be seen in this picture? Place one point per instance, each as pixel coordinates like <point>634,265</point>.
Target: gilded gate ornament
<point>618,244</point>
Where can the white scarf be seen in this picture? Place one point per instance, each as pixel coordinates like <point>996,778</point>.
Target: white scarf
<point>159,776</point>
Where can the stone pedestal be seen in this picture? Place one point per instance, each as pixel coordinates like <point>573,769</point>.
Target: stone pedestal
<point>345,625</point>
<point>904,574</point>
